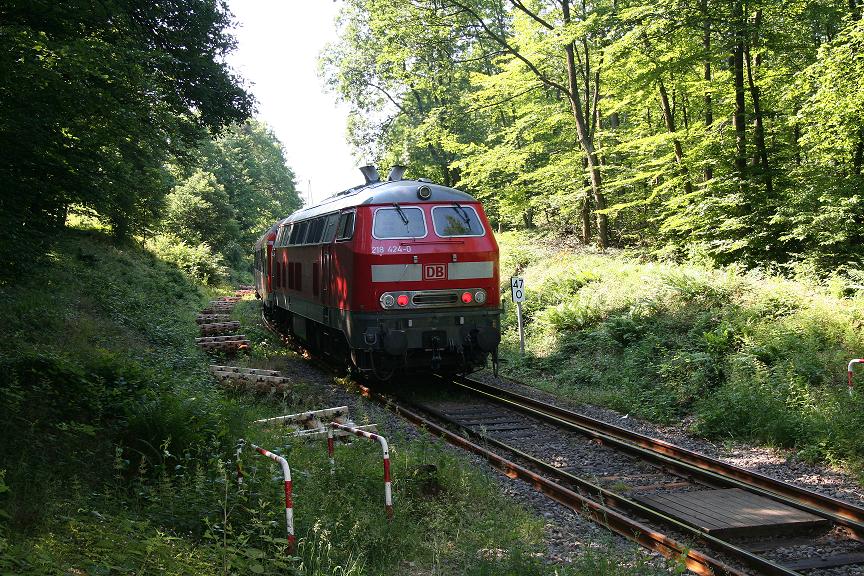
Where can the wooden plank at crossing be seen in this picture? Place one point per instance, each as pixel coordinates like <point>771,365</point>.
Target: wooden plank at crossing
<point>731,512</point>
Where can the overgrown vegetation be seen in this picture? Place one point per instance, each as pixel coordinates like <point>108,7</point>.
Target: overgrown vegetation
<point>117,452</point>
<point>747,355</point>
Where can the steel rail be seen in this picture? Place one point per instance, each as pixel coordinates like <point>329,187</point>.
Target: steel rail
<point>710,469</point>
<point>648,537</point>
<point>609,498</point>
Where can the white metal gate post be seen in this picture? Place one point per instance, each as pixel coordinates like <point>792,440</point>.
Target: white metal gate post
<point>289,504</point>
<point>388,494</point>
<point>330,451</point>
<point>849,370</point>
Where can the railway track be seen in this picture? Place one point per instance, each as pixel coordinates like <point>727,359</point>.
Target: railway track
<point>497,421</point>
<point>709,470</point>
<point>502,427</point>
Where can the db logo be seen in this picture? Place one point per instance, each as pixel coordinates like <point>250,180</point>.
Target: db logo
<point>434,272</point>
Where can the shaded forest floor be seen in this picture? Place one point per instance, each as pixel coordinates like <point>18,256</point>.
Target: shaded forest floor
<point>117,450</point>
<point>735,355</point>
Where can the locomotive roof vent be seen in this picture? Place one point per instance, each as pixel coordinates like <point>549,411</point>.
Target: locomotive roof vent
<point>396,173</point>
<point>370,174</point>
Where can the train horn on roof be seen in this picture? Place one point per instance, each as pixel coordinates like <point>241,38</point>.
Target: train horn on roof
<point>370,174</point>
<point>396,173</point>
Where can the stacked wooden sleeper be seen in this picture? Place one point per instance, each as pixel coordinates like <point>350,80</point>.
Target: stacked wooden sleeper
<point>212,318</point>
<point>216,327</point>
<point>219,328</point>
<point>250,379</point>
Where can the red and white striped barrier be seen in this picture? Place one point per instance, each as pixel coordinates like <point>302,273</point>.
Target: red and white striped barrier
<point>289,505</point>
<point>849,370</point>
<point>388,495</point>
<point>315,423</point>
<point>331,451</point>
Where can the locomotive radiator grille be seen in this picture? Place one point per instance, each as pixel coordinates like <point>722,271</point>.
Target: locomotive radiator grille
<point>434,298</point>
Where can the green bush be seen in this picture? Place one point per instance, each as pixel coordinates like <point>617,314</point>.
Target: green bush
<point>199,261</point>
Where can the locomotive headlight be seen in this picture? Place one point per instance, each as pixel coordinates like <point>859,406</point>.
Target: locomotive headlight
<point>480,296</point>
<point>387,300</point>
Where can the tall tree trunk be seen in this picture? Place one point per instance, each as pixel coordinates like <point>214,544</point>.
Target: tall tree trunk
<point>585,139</point>
<point>586,219</point>
<point>796,135</point>
<point>761,157</point>
<point>572,90</point>
<point>709,105</point>
<point>585,212</point>
<point>738,79</point>
<point>669,120</point>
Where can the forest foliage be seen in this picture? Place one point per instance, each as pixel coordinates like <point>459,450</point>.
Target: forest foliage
<point>126,112</point>
<point>226,192</point>
<point>731,129</point>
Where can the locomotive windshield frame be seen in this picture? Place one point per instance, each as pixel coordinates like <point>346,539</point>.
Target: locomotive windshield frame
<point>461,213</point>
<point>404,216</point>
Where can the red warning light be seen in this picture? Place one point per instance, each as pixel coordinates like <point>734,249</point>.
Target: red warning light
<point>402,300</point>
<point>466,297</point>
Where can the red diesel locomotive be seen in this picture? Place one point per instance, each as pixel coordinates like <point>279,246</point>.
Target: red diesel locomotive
<point>396,274</point>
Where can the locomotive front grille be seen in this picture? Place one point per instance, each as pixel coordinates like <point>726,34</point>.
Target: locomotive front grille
<point>413,299</point>
<point>436,298</point>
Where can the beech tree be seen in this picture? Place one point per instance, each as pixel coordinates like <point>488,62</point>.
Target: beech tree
<point>96,96</point>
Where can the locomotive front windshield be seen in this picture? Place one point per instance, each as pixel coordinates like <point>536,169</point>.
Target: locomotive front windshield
<point>399,222</point>
<point>456,220</point>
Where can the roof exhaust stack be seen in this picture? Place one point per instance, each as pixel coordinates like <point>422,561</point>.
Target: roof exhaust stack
<point>370,174</point>
<point>396,173</point>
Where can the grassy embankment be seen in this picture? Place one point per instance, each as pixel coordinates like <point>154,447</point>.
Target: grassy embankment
<point>749,356</point>
<point>117,449</point>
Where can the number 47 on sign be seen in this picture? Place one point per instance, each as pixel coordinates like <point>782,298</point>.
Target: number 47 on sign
<point>517,289</point>
<point>517,292</point>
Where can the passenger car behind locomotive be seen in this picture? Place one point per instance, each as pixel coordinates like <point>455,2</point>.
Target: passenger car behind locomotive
<point>396,274</point>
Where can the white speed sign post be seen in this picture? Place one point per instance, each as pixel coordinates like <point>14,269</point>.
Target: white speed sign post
<point>517,292</point>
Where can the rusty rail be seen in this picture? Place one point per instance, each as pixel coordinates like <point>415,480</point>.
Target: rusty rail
<point>647,536</point>
<point>710,470</point>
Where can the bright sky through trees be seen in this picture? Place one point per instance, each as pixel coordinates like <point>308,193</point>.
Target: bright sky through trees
<point>277,53</point>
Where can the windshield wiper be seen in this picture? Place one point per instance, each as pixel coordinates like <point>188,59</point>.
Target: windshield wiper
<point>464,214</point>
<point>401,213</point>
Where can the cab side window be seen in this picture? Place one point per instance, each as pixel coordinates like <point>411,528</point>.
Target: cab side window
<point>295,233</point>
<point>345,228</point>
<point>330,228</point>
<point>316,228</point>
